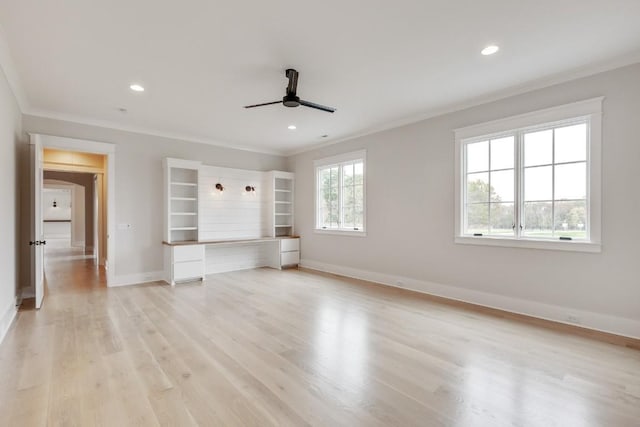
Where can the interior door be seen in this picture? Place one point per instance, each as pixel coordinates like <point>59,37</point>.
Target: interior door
<point>37,241</point>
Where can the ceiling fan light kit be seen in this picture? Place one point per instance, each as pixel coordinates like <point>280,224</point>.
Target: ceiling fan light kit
<point>291,99</point>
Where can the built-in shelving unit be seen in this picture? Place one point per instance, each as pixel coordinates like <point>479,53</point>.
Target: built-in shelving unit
<point>281,213</point>
<point>211,230</point>
<point>181,200</point>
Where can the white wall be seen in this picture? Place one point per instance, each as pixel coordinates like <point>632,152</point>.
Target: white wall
<point>139,186</point>
<point>410,204</point>
<point>10,134</point>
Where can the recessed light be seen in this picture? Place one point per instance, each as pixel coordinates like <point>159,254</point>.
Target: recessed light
<point>291,127</point>
<point>490,50</point>
<point>136,88</point>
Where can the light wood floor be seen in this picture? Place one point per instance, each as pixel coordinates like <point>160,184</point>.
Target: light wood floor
<point>264,347</point>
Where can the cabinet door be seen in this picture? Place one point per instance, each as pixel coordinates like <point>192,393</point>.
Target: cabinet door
<point>287,245</point>
<point>289,258</point>
<point>188,270</point>
<point>188,253</point>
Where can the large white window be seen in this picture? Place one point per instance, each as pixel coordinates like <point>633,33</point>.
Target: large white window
<point>532,180</point>
<point>340,194</point>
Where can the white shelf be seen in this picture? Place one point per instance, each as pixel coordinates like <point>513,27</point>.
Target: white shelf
<point>277,202</point>
<point>185,184</point>
<point>184,213</point>
<point>280,214</point>
<point>277,190</point>
<point>183,228</point>
<point>185,198</point>
<point>281,226</point>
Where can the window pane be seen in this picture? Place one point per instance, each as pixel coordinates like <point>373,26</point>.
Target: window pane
<point>502,153</point>
<point>538,148</point>
<point>478,218</point>
<point>359,173</point>
<point>571,219</point>
<point>538,221</point>
<point>334,177</point>
<point>571,181</point>
<point>502,186</point>
<point>478,156</point>
<point>502,219</point>
<point>348,216</point>
<point>348,200</point>
<point>347,174</point>
<point>359,209</point>
<point>537,183</point>
<point>571,143</point>
<point>477,187</point>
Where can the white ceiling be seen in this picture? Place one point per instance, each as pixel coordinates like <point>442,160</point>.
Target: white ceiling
<point>378,62</point>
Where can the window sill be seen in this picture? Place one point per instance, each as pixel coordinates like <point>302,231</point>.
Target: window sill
<point>571,246</point>
<point>341,232</point>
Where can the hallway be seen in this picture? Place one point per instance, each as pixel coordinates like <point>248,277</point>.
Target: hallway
<point>71,270</point>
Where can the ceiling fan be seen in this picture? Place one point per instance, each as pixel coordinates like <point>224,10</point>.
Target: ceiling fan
<point>291,99</point>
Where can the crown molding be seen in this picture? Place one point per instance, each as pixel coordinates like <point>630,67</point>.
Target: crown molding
<point>612,64</point>
<point>180,136</point>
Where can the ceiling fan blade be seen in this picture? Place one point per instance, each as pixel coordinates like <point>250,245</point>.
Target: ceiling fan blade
<point>262,105</point>
<point>292,75</point>
<point>317,106</point>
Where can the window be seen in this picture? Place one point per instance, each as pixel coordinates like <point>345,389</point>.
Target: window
<point>340,194</point>
<point>532,180</point>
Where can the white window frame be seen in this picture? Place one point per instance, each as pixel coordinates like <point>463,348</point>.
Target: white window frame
<point>590,109</point>
<point>340,160</point>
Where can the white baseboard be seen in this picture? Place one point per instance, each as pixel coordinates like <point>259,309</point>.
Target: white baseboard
<point>6,320</point>
<point>135,279</point>
<point>587,319</point>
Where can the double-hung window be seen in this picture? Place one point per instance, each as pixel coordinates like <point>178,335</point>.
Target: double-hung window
<point>532,180</point>
<point>340,193</point>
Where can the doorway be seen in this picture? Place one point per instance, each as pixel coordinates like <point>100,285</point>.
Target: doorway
<point>72,226</point>
<point>81,261</point>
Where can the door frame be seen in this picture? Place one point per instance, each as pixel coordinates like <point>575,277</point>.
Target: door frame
<point>94,147</point>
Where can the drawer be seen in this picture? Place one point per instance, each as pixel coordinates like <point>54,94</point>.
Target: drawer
<point>289,258</point>
<point>188,270</point>
<point>287,245</point>
<point>188,253</point>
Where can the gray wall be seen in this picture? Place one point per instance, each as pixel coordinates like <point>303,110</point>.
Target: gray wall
<point>85,180</point>
<point>10,134</point>
<point>410,202</point>
<point>139,187</point>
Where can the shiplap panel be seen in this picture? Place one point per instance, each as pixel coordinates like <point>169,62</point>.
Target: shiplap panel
<point>233,213</point>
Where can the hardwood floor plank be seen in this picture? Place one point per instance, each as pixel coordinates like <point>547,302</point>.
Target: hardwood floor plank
<point>294,348</point>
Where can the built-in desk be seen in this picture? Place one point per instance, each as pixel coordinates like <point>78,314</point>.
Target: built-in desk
<point>187,260</point>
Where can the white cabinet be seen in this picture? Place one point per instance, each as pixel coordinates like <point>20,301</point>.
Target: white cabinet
<point>289,252</point>
<point>184,262</point>
<point>181,200</point>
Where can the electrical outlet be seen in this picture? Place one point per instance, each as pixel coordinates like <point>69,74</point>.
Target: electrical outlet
<point>573,319</point>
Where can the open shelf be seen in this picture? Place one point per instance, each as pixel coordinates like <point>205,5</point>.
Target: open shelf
<point>184,213</point>
<point>183,228</point>
<point>185,184</point>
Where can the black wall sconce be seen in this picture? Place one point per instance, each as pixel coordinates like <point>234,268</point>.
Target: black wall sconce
<point>250,189</point>
<point>219,187</point>
<point>55,204</point>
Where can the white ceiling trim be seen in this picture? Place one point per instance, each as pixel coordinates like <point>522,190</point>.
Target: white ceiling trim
<point>618,62</point>
<point>45,114</point>
<point>13,78</point>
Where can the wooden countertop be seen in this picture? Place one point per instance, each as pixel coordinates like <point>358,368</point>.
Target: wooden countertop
<point>227,242</point>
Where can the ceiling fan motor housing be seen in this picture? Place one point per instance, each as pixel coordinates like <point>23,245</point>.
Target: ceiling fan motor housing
<point>291,100</point>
